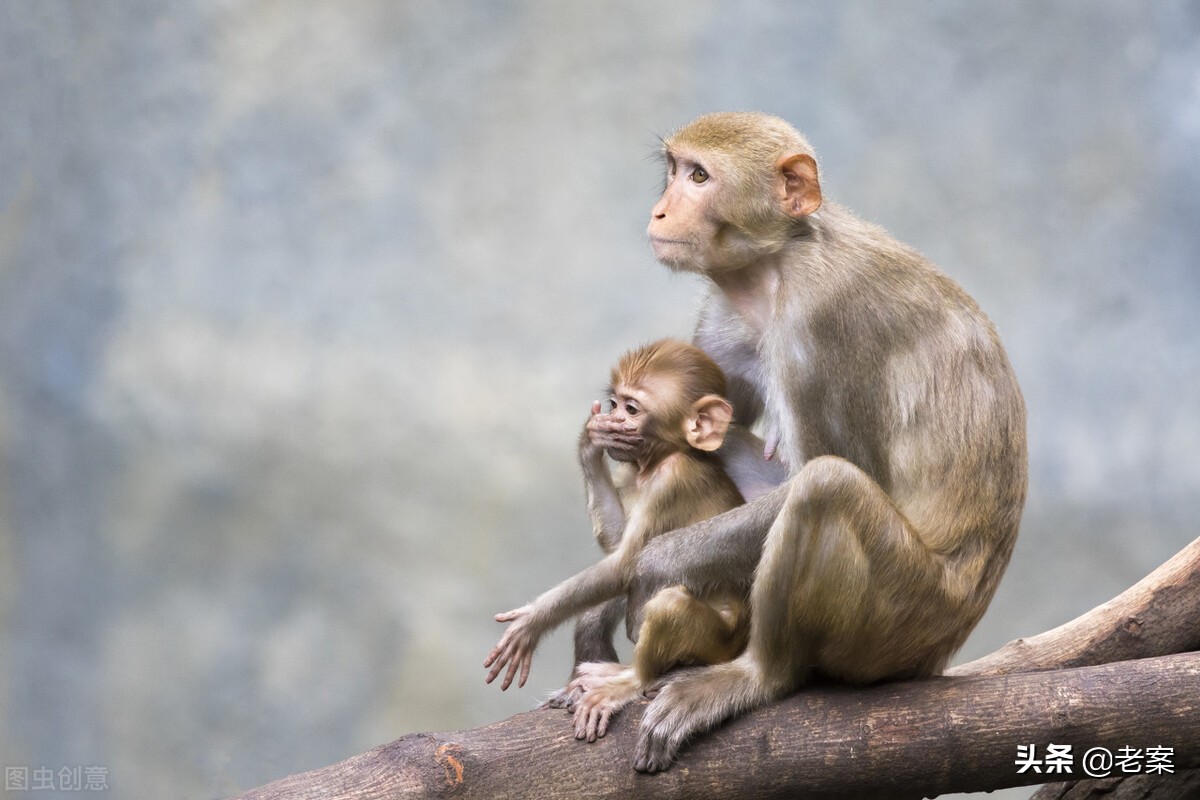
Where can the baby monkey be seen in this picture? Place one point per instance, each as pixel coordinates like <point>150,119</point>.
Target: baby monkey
<point>669,398</point>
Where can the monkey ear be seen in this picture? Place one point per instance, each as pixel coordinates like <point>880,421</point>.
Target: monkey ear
<point>799,189</point>
<point>707,423</point>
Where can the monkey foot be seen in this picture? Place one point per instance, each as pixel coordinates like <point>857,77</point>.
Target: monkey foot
<point>598,705</point>
<point>692,704</point>
<point>664,730</point>
<point>588,676</point>
<point>563,698</point>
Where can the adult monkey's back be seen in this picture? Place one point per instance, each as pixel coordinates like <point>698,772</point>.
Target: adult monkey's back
<point>896,413</point>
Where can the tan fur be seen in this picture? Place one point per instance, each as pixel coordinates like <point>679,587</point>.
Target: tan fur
<point>898,418</point>
<point>683,629</point>
<point>679,486</point>
<point>677,390</point>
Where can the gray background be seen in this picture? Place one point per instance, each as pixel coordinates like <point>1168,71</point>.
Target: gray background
<point>302,306</point>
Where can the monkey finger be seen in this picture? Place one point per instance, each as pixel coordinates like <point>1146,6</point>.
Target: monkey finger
<point>508,676</point>
<point>507,658</point>
<point>580,723</point>
<point>604,423</point>
<point>619,439</point>
<point>605,716</point>
<point>593,719</point>
<point>497,667</point>
<point>526,663</point>
<point>556,700</point>
<point>583,712</point>
<point>576,697</point>
<point>501,647</point>
<point>619,446</point>
<point>598,434</point>
<point>585,724</point>
<point>595,407</point>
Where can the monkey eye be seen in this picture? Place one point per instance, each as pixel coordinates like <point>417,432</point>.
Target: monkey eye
<point>610,405</point>
<point>631,409</point>
<point>699,175</point>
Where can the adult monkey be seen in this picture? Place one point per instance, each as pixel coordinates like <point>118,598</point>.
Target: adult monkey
<point>892,405</point>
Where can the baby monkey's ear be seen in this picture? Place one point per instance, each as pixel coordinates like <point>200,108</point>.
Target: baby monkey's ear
<point>706,424</point>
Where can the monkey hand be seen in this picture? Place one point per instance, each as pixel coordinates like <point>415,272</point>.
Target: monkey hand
<point>515,648</point>
<point>608,433</point>
<point>582,680</point>
<point>606,689</point>
<point>589,450</point>
<point>589,676</point>
<point>565,697</point>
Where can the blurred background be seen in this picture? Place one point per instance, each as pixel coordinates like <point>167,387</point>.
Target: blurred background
<point>302,308</point>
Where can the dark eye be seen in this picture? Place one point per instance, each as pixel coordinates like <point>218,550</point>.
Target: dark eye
<point>699,175</point>
<point>610,406</point>
<point>631,409</point>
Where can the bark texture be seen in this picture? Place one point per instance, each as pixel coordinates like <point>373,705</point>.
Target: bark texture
<point>1159,614</point>
<point>903,740</point>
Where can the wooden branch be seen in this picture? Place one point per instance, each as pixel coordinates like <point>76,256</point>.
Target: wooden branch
<point>957,733</point>
<point>1183,785</point>
<point>894,740</point>
<point>1156,616</point>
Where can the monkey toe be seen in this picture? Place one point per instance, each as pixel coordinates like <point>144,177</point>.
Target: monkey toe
<point>659,739</point>
<point>585,724</point>
<point>654,754</point>
<point>560,699</point>
<point>681,709</point>
<point>592,716</point>
<point>565,698</point>
<point>598,722</point>
<point>656,751</point>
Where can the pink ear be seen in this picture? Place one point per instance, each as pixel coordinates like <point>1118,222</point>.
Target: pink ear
<point>799,188</point>
<point>705,427</point>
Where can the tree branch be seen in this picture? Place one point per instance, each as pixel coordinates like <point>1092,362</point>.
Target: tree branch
<point>954,733</point>
<point>1183,785</point>
<point>1156,616</point>
<point>894,740</point>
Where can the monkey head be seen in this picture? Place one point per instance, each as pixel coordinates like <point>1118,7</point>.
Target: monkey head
<point>738,187</point>
<point>672,396</point>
